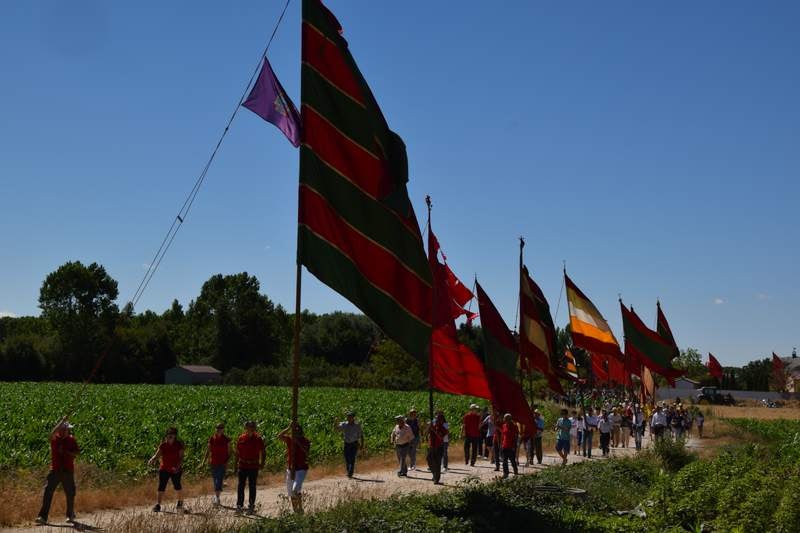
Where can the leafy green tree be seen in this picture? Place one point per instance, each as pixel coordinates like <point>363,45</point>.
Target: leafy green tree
<point>756,375</point>
<point>232,324</point>
<point>21,361</point>
<point>394,368</point>
<point>691,361</point>
<point>340,338</point>
<point>78,301</point>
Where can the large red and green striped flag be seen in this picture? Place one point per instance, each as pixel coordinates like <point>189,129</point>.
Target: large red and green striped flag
<point>500,361</point>
<point>663,329</point>
<point>650,348</point>
<point>357,229</point>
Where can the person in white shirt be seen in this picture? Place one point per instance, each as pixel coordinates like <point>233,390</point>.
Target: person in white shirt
<point>658,422</point>
<point>402,437</point>
<point>604,426</point>
<point>573,431</point>
<point>578,424</point>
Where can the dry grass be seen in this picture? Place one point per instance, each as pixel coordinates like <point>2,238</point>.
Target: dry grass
<point>758,413</point>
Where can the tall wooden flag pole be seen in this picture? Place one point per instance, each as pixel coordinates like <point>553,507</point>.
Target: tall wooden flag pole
<point>519,310</point>
<point>295,364</point>
<point>430,353</point>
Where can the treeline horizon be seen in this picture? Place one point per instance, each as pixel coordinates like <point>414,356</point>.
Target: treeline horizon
<point>235,328</point>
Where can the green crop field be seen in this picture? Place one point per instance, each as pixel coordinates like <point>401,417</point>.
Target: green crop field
<point>119,426</point>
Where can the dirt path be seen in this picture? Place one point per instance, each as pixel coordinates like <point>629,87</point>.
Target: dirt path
<point>320,493</point>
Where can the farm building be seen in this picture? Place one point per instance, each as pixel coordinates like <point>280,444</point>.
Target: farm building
<point>192,375</point>
<point>685,383</point>
<point>791,366</point>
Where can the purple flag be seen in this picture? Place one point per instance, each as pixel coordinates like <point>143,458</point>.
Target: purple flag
<point>269,101</point>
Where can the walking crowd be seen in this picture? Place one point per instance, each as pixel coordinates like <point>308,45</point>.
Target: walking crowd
<point>490,436</point>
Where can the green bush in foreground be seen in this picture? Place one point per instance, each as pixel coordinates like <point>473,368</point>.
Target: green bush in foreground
<point>517,504</point>
<point>746,488</point>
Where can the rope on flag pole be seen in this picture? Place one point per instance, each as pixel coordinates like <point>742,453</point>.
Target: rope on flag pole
<point>177,222</point>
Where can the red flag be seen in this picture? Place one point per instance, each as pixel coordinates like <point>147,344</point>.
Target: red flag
<point>460,293</point>
<point>616,371</point>
<point>777,371</point>
<point>714,368</point>
<point>663,329</point>
<point>500,361</point>
<point>453,367</point>
<point>599,369</point>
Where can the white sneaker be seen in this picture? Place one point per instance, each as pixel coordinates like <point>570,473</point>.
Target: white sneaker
<point>215,501</point>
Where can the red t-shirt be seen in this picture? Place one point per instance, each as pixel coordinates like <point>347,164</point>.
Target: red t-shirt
<point>301,449</point>
<point>171,456</point>
<point>510,433</point>
<point>61,450</point>
<point>220,451</point>
<point>436,436</point>
<point>472,425</point>
<point>249,448</point>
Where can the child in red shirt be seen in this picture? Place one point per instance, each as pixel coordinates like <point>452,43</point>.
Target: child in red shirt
<point>217,455</point>
<point>250,456</point>
<point>63,450</point>
<point>170,451</point>
<point>509,432</point>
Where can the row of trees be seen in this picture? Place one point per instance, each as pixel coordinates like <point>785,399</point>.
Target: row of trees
<point>231,325</point>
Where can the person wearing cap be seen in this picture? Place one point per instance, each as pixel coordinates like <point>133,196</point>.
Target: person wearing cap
<point>218,452</point>
<point>353,441</point>
<point>297,449</point>
<point>63,451</point>
<point>250,456</point>
<point>470,428</point>
<point>401,438</point>
<point>509,432</point>
<point>170,452</point>
<point>413,422</point>
<point>436,435</point>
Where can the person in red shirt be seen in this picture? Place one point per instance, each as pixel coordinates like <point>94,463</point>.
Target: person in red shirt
<point>436,434</point>
<point>217,454</point>
<point>470,428</point>
<point>170,468</point>
<point>297,450</point>
<point>250,456</point>
<point>509,432</point>
<point>63,450</point>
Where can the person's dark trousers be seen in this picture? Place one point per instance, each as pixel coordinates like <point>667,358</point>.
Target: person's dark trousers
<point>250,476</point>
<point>587,442</point>
<point>54,478</point>
<point>350,453</point>
<point>509,454</point>
<point>604,440</point>
<point>445,447</point>
<point>471,445</point>
<point>496,453</point>
<point>537,449</point>
<point>435,463</point>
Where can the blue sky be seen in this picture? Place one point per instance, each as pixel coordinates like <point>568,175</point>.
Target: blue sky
<point>654,147</point>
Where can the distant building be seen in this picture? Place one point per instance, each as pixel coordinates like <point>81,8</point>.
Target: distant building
<point>791,366</point>
<point>192,375</point>
<point>685,383</point>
